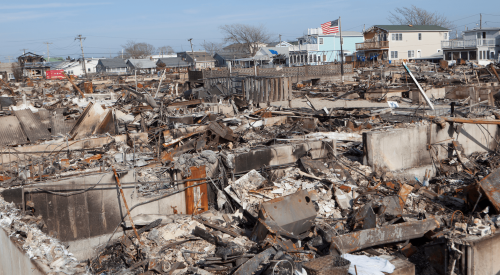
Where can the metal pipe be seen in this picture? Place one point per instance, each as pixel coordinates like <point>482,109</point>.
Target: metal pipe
<point>126,206</point>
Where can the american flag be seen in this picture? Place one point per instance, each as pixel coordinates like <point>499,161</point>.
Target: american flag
<point>330,27</point>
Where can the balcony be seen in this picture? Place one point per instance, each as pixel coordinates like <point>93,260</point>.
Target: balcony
<point>463,44</point>
<point>372,45</point>
<point>304,47</point>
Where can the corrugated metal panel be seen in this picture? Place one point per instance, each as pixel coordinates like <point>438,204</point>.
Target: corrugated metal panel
<point>32,126</point>
<point>11,132</point>
<point>60,126</point>
<point>44,116</point>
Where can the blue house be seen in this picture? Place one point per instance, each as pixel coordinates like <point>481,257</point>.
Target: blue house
<point>317,48</point>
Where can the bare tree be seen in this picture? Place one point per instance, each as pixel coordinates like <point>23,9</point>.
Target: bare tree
<point>165,50</point>
<point>248,36</point>
<point>417,16</point>
<point>212,47</point>
<point>137,50</point>
<point>17,71</point>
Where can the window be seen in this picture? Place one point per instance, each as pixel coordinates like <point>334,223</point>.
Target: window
<point>478,35</point>
<point>394,54</point>
<point>397,37</point>
<point>445,36</point>
<point>411,54</point>
<point>89,69</point>
<point>321,40</point>
<point>420,36</point>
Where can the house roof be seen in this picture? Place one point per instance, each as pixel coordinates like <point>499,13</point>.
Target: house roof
<point>113,63</point>
<point>173,62</point>
<point>201,56</point>
<point>142,63</point>
<point>411,28</point>
<point>232,55</point>
<point>6,67</point>
<point>483,29</point>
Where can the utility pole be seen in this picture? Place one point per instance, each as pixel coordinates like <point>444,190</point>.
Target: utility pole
<point>280,39</point>
<point>48,52</point>
<point>341,53</point>
<point>79,37</point>
<point>190,42</point>
<point>122,53</point>
<point>24,50</point>
<point>480,21</point>
<point>8,57</point>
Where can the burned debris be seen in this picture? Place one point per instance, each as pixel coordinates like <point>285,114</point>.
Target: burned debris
<point>219,172</point>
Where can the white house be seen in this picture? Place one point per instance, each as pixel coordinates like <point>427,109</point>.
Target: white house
<point>76,67</point>
<point>478,45</point>
<point>402,42</point>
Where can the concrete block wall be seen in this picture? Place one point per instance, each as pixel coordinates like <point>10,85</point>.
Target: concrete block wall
<point>13,260</point>
<point>406,150</point>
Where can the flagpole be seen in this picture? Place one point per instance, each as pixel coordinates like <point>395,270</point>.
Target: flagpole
<point>341,53</point>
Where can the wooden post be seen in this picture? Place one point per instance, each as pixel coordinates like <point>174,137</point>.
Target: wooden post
<point>76,87</point>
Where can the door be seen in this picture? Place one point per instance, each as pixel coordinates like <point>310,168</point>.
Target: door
<point>419,54</point>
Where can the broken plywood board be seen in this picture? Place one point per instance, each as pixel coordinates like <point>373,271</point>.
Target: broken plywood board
<point>89,121</point>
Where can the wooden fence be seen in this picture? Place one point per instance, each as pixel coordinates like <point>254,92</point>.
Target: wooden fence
<point>303,71</point>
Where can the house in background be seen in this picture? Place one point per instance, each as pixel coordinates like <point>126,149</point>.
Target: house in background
<point>479,45</point>
<point>317,48</point>
<point>223,58</point>
<point>172,62</point>
<point>198,60</point>
<point>75,67</point>
<point>401,42</point>
<point>6,71</point>
<point>111,66</point>
<point>279,44</point>
<point>141,65</point>
<point>33,65</point>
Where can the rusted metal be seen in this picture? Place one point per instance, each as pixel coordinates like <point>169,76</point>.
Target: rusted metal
<point>126,206</point>
<point>403,193</point>
<point>87,86</point>
<point>491,187</point>
<point>72,83</point>
<point>197,194</point>
<point>388,234</point>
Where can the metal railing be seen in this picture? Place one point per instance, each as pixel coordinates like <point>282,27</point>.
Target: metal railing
<point>461,44</point>
<point>372,45</point>
<point>305,47</point>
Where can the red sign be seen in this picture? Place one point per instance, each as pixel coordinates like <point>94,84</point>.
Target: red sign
<point>54,74</point>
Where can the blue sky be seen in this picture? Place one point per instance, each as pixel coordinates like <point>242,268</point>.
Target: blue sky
<point>108,24</point>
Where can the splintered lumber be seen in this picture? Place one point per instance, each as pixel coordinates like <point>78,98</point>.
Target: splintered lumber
<point>468,120</point>
<point>8,87</point>
<point>76,87</point>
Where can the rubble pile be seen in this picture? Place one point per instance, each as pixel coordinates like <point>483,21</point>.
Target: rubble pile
<point>207,181</point>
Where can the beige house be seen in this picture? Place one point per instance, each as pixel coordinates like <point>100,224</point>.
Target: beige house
<point>402,42</point>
